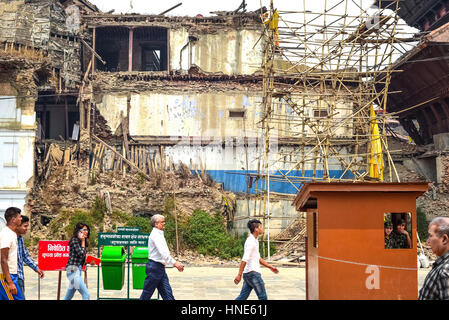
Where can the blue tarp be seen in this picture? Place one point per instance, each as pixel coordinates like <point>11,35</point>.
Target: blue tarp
<point>236,180</point>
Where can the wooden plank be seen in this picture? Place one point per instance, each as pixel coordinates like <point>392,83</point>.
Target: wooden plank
<point>120,156</point>
<point>170,163</point>
<point>148,160</point>
<point>140,162</point>
<point>67,154</point>
<point>162,157</point>
<point>111,162</point>
<point>92,165</point>
<point>66,117</point>
<point>125,133</point>
<point>134,154</point>
<point>144,159</point>
<point>130,49</point>
<point>100,158</point>
<point>94,40</point>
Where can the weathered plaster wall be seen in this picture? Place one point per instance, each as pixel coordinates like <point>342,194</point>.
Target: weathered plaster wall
<point>17,136</point>
<point>179,56</point>
<point>204,114</point>
<point>231,52</point>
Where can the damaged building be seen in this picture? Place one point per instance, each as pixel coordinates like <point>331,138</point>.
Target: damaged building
<point>421,99</point>
<point>40,65</point>
<point>114,94</point>
<point>189,89</point>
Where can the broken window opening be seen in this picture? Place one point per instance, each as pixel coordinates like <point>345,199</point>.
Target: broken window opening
<point>56,119</point>
<point>236,113</point>
<point>111,43</point>
<point>148,47</point>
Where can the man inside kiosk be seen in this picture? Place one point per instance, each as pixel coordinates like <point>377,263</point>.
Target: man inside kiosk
<point>396,237</point>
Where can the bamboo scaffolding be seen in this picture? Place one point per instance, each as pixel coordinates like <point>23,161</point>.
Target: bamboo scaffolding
<point>340,60</point>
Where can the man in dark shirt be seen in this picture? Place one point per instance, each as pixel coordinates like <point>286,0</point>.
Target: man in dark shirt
<point>388,229</point>
<point>400,236</point>
<point>436,284</point>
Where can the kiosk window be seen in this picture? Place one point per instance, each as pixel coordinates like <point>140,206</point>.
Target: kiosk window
<point>398,230</point>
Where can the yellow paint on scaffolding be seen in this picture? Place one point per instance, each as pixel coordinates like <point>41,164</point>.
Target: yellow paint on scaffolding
<point>274,22</point>
<point>376,161</point>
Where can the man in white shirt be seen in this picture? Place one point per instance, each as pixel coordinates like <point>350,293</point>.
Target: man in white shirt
<point>250,265</point>
<point>9,289</point>
<point>158,257</point>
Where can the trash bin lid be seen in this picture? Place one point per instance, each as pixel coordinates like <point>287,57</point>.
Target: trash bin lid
<point>111,253</point>
<point>140,253</point>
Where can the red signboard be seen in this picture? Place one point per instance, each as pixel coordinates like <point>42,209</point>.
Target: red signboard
<point>53,255</point>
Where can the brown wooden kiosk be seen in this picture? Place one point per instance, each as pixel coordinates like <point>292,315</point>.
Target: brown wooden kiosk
<point>346,257</point>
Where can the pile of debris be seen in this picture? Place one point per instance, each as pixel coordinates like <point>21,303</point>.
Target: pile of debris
<point>67,186</point>
<point>290,243</point>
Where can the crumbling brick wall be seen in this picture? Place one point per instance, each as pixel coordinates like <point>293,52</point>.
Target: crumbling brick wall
<point>443,187</point>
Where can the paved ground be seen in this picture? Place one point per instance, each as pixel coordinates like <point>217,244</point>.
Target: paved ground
<point>195,283</point>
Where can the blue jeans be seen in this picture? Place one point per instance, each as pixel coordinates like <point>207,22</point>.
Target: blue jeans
<point>21,284</point>
<point>76,282</point>
<point>252,280</point>
<point>156,279</point>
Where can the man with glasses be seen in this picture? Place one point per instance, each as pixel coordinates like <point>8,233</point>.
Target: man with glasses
<point>158,257</point>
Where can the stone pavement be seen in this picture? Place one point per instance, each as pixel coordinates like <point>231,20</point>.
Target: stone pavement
<point>195,283</point>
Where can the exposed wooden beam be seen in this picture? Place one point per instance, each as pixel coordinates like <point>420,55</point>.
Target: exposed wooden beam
<point>93,51</point>
<point>130,49</point>
<point>120,156</point>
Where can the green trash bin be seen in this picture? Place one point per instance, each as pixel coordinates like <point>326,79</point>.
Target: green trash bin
<point>139,260</point>
<point>113,267</point>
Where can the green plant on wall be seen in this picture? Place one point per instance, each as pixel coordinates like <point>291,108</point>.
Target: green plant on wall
<point>142,222</point>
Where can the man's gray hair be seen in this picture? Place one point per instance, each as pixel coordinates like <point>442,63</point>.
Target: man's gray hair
<point>155,219</point>
<point>443,225</point>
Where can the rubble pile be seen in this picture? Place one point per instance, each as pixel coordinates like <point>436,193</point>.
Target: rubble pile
<point>444,185</point>
<point>67,187</point>
<point>290,243</point>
